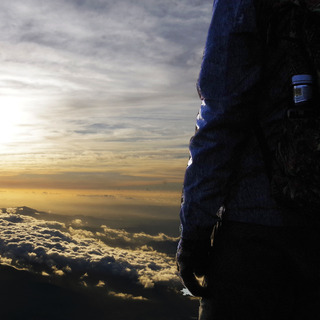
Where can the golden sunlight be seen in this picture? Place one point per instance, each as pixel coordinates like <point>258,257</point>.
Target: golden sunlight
<point>11,117</point>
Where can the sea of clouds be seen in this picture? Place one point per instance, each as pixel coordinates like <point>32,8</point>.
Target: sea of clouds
<point>102,257</point>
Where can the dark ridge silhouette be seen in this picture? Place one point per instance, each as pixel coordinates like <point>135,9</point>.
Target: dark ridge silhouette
<point>29,296</point>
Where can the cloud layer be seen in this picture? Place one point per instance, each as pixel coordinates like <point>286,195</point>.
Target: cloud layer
<point>54,248</point>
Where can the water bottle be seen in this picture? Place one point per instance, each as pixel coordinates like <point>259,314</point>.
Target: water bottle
<point>302,96</point>
<point>302,89</point>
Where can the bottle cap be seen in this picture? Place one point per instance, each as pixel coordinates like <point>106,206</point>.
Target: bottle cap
<point>302,79</point>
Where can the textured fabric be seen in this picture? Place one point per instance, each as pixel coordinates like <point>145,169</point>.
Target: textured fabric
<point>295,170</point>
<point>263,273</point>
<point>226,167</point>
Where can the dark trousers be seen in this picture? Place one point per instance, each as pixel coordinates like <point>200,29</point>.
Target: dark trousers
<point>260,272</point>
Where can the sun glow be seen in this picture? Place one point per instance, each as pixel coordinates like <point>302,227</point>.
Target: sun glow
<point>12,118</point>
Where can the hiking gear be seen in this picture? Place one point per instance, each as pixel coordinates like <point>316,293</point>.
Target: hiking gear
<point>295,172</point>
<point>302,97</point>
<point>302,89</point>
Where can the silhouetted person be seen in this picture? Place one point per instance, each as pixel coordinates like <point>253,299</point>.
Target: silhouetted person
<point>264,260</point>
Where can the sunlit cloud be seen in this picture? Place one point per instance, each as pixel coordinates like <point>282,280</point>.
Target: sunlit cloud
<point>126,296</point>
<point>124,238</point>
<point>59,249</point>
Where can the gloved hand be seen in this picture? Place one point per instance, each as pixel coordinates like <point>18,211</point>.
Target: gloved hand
<point>193,261</point>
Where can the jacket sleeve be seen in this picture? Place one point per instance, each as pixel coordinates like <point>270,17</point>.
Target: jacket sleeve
<point>229,76</point>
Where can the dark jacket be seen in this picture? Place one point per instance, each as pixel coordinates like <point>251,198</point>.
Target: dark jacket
<point>226,167</point>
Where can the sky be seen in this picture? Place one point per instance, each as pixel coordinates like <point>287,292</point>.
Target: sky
<point>98,100</point>
<point>97,106</point>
